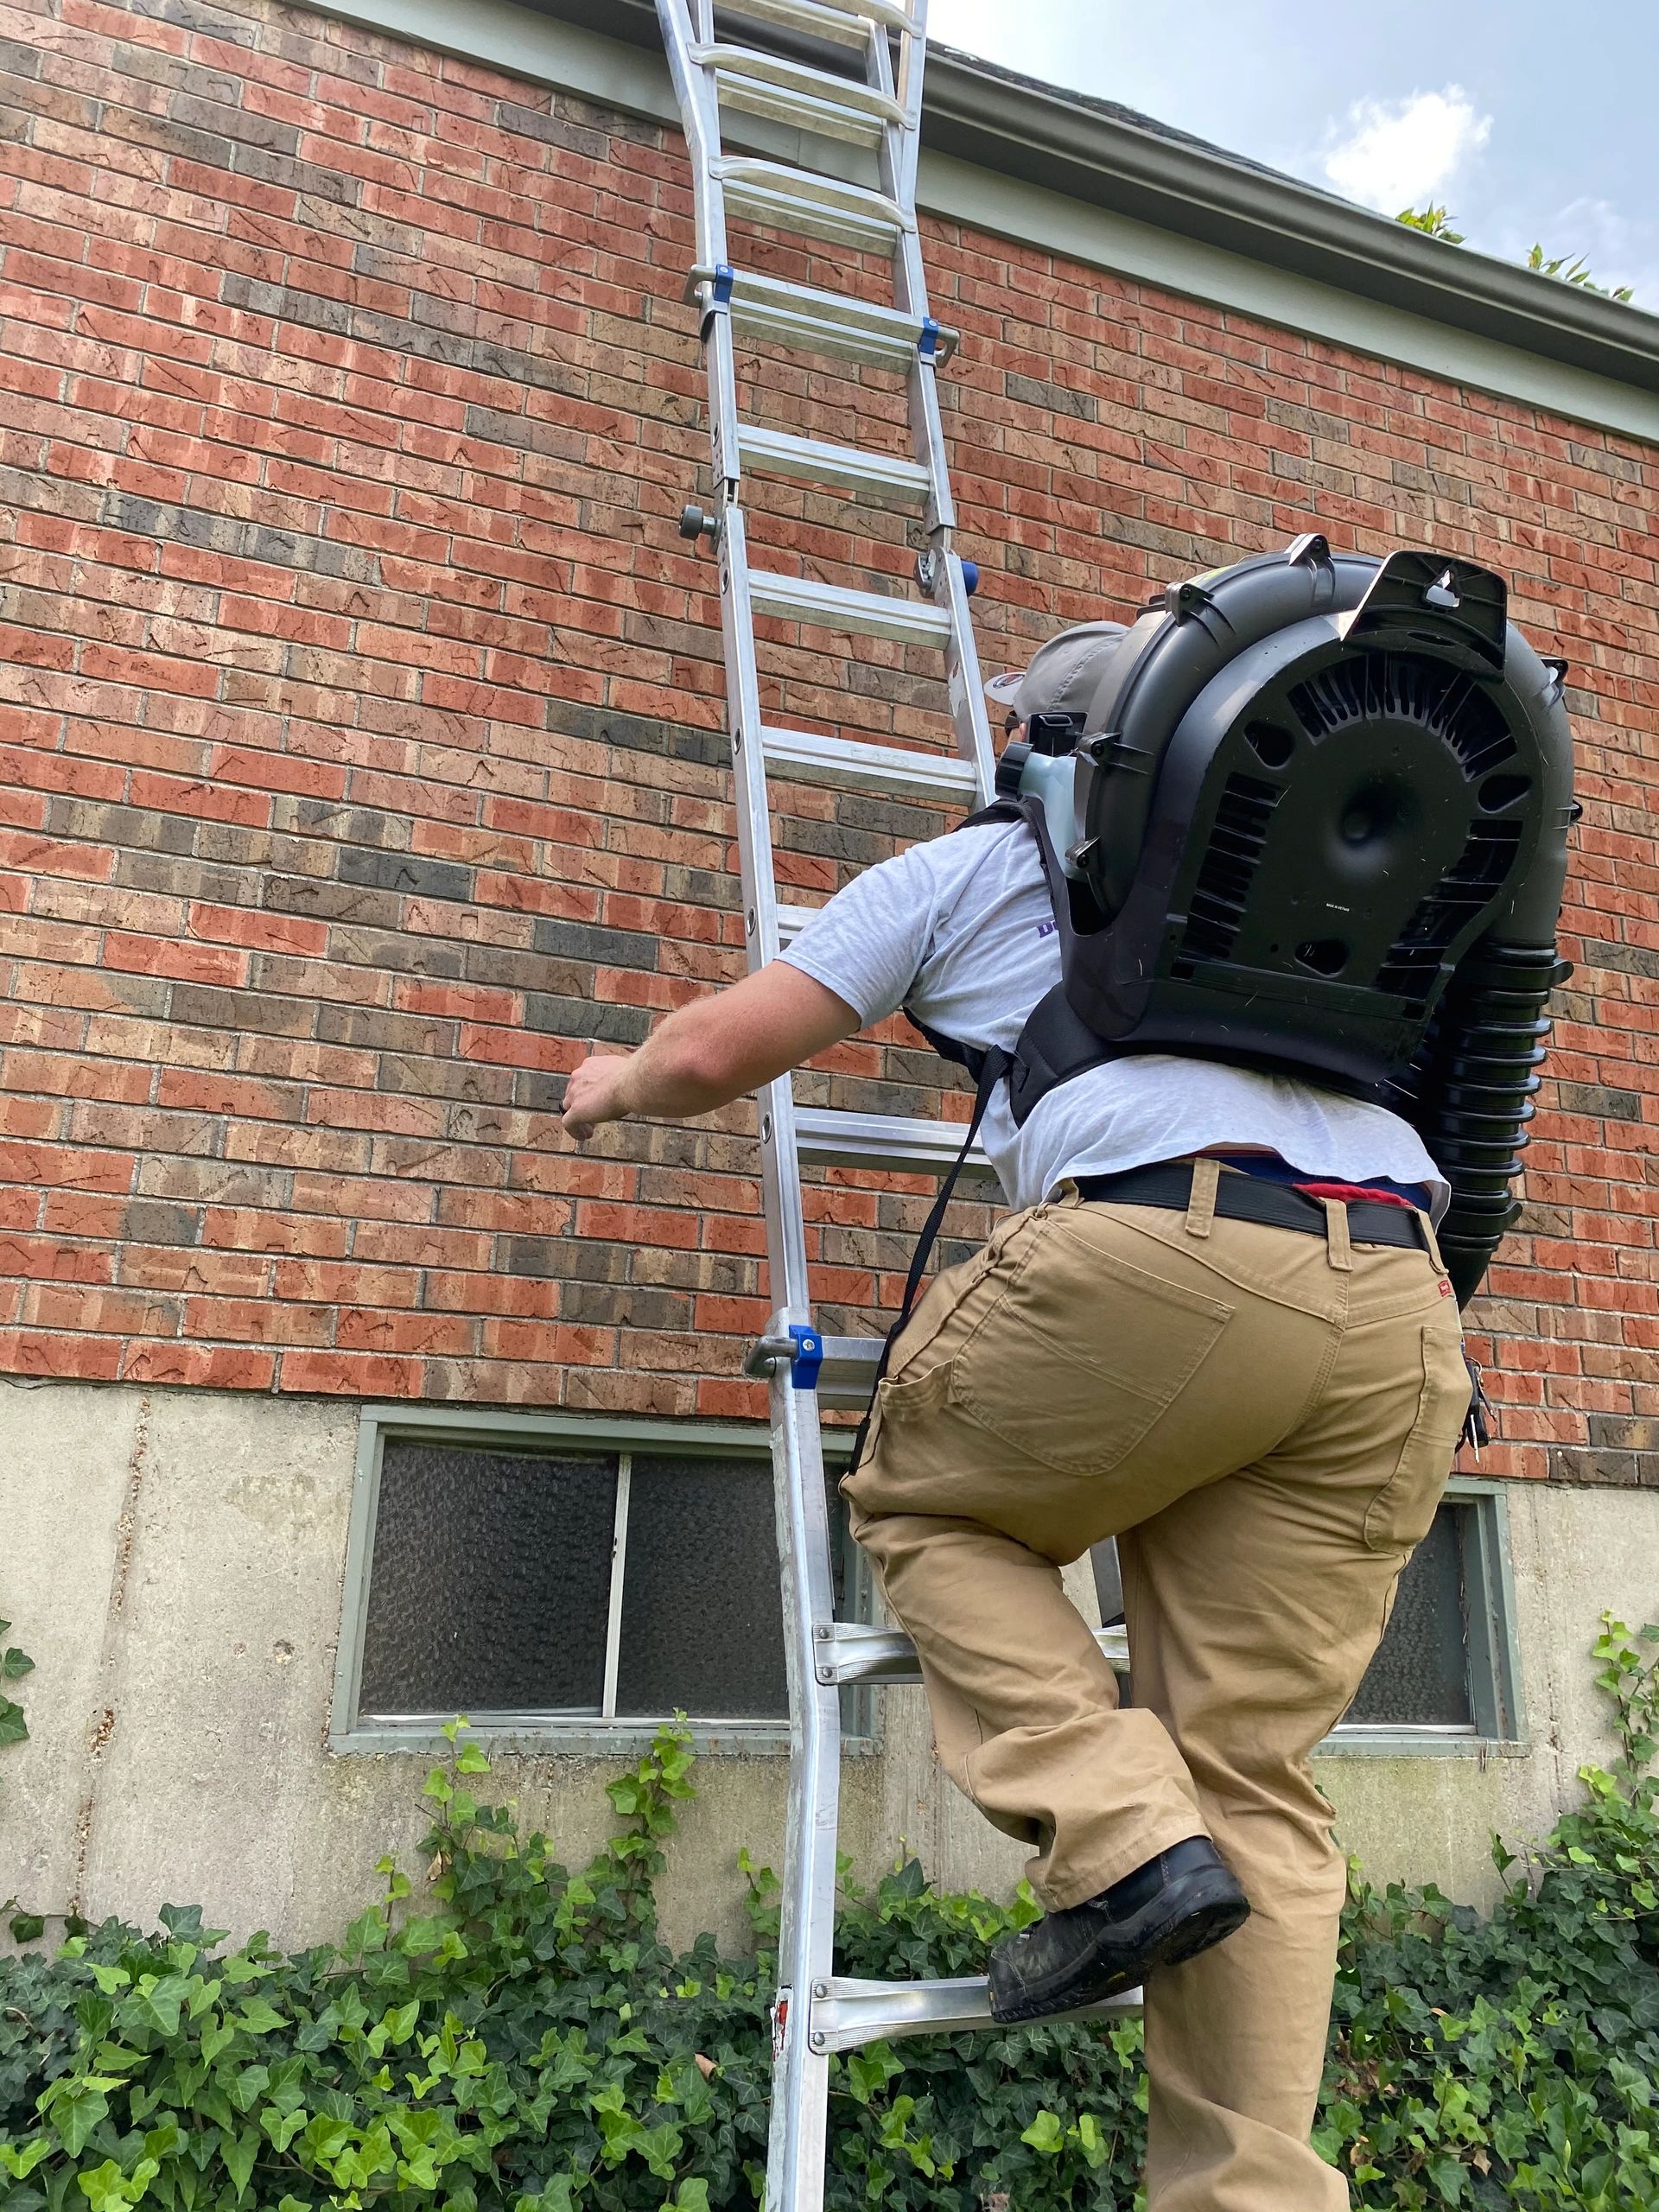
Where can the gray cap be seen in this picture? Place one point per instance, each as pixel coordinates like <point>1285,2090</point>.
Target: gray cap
<point>1064,674</point>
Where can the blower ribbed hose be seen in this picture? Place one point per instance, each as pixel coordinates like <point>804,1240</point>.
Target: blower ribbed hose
<point>1478,1081</point>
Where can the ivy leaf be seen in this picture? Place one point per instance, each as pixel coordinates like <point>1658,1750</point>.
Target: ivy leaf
<point>283,2127</point>
<point>156,2006</point>
<point>76,2107</point>
<point>21,2161</point>
<point>239,2152</point>
<point>259,2018</point>
<point>14,1729</point>
<point>1045,2134</point>
<point>14,1664</point>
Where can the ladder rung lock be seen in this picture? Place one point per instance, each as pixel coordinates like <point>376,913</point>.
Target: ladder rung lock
<point>885,1142</point>
<point>790,92</point>
<point>791,920</point>
<point>892,479</point>
<point>831,607</point>
<point>846,2013</point>
<point>785,198</point>
<point>852,1652</point>
<point>828,322</point>
<point>804,757</point>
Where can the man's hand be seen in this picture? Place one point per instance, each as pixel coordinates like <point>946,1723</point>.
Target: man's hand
<point>711,1052</point>
<point>596,1093</point>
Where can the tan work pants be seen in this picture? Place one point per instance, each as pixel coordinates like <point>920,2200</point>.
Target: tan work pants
<point>1265,1420</point>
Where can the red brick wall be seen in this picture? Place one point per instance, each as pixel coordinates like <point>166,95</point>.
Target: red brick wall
<point>358,708</point>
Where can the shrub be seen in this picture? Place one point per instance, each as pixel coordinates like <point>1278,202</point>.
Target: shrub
<point>525,2041</point>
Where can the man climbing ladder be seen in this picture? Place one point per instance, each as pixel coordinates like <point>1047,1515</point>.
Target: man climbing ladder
<point>1194,980</point>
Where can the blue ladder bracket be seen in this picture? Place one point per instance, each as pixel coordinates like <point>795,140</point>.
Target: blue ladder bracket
<point>927,346</point>
<point>807,1357</point>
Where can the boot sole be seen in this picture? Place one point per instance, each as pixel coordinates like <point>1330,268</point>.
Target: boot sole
<point>1211,1909</point>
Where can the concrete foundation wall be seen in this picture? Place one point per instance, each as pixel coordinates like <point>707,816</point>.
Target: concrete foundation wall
<point>173,1562</point>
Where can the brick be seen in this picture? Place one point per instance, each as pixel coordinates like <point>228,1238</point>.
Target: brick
<point>405,873</point>
<point>1600,1098</point>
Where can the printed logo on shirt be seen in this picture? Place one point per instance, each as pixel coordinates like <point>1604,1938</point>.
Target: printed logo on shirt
<point>1046,929</point>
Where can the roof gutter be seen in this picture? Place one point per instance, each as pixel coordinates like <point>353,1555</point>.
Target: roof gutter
<point>1047,137</point>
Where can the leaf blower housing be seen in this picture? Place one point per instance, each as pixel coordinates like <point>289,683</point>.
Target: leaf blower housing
<point>1315,820</point>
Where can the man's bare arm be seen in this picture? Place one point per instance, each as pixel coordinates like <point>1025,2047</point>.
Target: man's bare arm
<point>711,1050</point>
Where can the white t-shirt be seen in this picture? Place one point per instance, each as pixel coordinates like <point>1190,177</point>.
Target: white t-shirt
<point>961,930</point>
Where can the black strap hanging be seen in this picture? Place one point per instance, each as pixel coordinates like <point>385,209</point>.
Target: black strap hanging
<point>993,1065</point>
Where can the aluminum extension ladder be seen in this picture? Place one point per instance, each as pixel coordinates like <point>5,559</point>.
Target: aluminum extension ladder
<point>861,85</point>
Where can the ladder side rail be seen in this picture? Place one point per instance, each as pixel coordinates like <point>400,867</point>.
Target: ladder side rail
<point>898,164</point>
<point>798,2122</point>
<point>912,55</point>
<point>796,2146</point>
<point>965,684</point>
<point>797,2135</point>
<point>700,120</point>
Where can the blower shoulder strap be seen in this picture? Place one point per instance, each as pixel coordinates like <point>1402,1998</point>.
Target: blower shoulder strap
<point>992,1066</point>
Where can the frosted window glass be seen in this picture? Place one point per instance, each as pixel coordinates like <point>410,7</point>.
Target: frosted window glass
<point>489,1582</point>
<point>1421,1673</point>
<point>701,1616</point>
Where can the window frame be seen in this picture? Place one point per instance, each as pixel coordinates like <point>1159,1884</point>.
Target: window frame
<point>532,1731</point>
<point>1498,1728</point>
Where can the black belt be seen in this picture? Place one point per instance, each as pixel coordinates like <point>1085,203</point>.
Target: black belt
<point>1251,1197</point>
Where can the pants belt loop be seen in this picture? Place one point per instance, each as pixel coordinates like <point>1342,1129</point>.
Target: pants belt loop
<point>1433,1244</point>
<point>1201,1205</point>
<point>1339,1251</point>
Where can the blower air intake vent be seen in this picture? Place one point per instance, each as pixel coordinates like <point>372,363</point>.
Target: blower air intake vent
<point>1385,687</point>
<point>1230,860</point>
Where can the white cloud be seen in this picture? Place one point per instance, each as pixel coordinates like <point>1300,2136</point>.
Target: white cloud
<point>1400,153</point>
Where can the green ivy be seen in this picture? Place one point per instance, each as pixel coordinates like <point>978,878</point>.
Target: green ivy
<point>520,2039</point>
<point>26,1927</point>
<point>13,1665</point>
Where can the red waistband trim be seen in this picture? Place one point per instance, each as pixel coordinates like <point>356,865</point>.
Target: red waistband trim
<point>1351,1193</point>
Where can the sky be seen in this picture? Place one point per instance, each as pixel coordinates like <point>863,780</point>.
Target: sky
<point>1529,120</point>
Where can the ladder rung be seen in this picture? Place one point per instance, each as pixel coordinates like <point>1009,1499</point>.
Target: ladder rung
<point>791,920</point>
<point>832,607</point>
<point>835,25</point>
<point>790,92</point>
<point>884,1142</point>
<point>827,322</point>
<point>846,2013</point>
<point>845,22</point>
<point>885,479</point>
<point>849,1651</point>
<point>809,759</point>
<point>784,198</point>
<point>849,1370</point>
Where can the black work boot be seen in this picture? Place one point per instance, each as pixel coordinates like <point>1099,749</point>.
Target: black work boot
<point>1175,1906</point>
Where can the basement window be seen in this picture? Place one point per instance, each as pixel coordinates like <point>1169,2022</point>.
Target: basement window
<point>1446,1677</point>
<point>564,1584</point>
